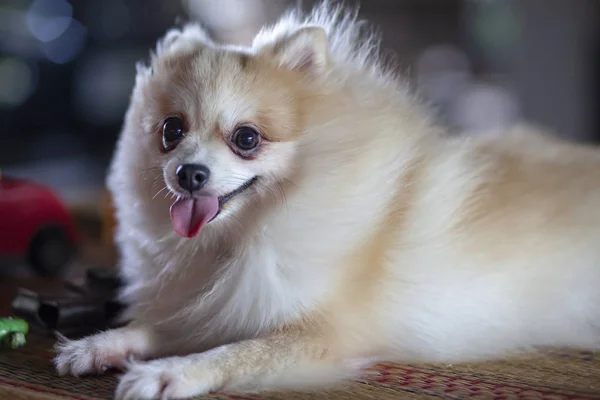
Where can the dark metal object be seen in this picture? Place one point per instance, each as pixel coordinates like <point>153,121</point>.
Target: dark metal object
<point>76,310</point>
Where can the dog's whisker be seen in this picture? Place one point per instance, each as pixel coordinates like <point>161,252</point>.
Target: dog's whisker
<point>160,191</point>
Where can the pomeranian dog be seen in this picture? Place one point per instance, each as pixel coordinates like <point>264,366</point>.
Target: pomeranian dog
<point>288,214</point>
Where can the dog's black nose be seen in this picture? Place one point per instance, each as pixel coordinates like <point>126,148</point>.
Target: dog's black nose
<point>192,177</point>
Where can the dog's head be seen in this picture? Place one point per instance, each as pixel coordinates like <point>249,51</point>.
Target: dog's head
<point>222,124</point>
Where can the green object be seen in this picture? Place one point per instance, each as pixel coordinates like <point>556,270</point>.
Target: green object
<point>13,332</point>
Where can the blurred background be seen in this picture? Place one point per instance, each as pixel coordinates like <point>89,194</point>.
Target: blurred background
<point>67,68</point>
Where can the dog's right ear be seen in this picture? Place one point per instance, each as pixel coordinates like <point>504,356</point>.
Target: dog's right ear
<point>176,41</point>
<point>183,40</point>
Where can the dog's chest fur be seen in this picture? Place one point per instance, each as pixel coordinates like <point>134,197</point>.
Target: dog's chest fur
<point>220,296</point>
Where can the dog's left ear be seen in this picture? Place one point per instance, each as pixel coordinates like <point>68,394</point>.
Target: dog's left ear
<point>306,50</point>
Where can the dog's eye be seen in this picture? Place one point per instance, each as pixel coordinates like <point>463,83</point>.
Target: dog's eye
<point>246,138</point>
<point>172,131</point>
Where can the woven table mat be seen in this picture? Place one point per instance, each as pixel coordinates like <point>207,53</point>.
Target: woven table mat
<point>28,373</point>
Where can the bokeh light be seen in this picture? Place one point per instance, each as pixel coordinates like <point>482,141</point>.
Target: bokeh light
<point>17,81</point>
<point>49,19</point>
<point>66,47</point>
<point>102,84</point>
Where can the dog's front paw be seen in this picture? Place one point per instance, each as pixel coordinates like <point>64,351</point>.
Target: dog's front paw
<point>97,353</point>
<point>167,378</point>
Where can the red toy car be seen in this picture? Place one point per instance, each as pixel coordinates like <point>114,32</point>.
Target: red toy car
<point>34,224</point>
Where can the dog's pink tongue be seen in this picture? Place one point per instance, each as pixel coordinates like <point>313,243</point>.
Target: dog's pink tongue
<point>190,215</point>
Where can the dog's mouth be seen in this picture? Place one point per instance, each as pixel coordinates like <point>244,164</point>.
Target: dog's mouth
<point>225,198</point>
<point>190,214</point>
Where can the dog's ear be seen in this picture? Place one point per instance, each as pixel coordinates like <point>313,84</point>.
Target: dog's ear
<point>305,50</point>
<point>175,42</point>
<point>182,40</point>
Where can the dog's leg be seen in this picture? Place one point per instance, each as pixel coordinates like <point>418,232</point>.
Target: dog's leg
<point>104,350</point>
<point>283,359</point>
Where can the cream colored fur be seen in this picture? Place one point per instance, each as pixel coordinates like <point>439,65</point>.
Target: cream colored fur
<point>371,235</point>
